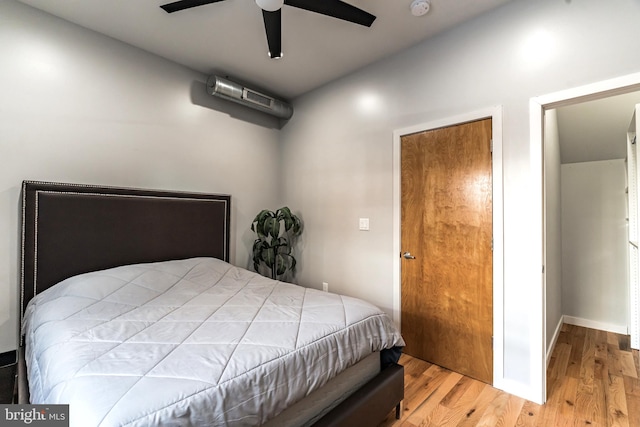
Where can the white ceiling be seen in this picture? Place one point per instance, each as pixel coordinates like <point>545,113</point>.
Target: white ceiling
<point>228,37</point>
<point>596,130</point>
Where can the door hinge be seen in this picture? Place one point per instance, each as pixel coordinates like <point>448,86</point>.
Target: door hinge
<point>543,269</point>
<point>492,243</point>
<point>491,146</point>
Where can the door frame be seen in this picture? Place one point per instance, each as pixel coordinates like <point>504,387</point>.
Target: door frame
<point>537,107</point>
<point>495,114</point>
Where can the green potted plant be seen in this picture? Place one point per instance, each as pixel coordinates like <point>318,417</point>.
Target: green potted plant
<point>272,249</point>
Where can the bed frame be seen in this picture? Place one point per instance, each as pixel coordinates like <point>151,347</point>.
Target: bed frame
<point>69,229</point>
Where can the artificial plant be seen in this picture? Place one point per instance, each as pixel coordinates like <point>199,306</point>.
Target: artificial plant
<point>272,249</point>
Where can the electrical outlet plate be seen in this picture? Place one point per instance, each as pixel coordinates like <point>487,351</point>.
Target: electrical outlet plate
<point>325,286</point>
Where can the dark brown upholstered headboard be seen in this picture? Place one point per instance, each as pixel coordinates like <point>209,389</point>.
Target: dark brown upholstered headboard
<point>68,229</point>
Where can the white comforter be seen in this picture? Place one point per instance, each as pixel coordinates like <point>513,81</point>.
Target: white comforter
<point>190,342</point>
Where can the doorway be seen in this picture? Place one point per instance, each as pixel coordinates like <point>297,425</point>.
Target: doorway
<point>538,107</point>
<point>495,114</point>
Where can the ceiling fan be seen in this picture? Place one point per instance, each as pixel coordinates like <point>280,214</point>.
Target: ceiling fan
<point>271,13</point>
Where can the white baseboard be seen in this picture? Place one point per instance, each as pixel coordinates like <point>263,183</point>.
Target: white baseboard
<point>554,340</point>
<point>586,323</point>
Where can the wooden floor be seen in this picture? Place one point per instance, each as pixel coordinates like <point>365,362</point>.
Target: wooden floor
<point>592,380</point>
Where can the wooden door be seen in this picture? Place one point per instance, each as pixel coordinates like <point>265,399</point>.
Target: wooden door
<point>446,220</point>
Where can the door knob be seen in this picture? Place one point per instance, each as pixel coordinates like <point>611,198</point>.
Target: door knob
<point>407,255</point>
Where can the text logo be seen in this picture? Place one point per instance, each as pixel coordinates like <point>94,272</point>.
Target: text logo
<point>34,415</point>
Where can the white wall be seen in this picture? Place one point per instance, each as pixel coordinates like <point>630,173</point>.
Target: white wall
<point>594,244</point>
<point>553,220</point>
<point>79,107</point>
<point>338,148</point>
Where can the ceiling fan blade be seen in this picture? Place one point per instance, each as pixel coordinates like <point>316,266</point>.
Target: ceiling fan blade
<point>335,8</point>
<point>185,4</point>
<point>273,28</point>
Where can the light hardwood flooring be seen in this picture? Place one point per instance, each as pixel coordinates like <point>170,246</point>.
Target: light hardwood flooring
<point>592,380</point>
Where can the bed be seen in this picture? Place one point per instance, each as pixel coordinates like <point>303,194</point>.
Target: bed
<point>104,267</point>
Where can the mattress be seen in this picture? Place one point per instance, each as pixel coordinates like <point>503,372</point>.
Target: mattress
<point>318,403</point>
<point>191,342</point>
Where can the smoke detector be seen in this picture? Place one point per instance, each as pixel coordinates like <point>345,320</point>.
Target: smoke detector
<point>420,7</point>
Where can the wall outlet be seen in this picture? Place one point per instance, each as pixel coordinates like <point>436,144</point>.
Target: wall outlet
<point>325,286</point>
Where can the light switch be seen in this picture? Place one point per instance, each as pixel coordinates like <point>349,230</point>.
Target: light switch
<point>364,224</point>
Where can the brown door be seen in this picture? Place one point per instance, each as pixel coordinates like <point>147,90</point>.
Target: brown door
<point>447,289</point>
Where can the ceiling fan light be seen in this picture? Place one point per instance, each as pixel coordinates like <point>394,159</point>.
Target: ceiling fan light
<point>270,5</point>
